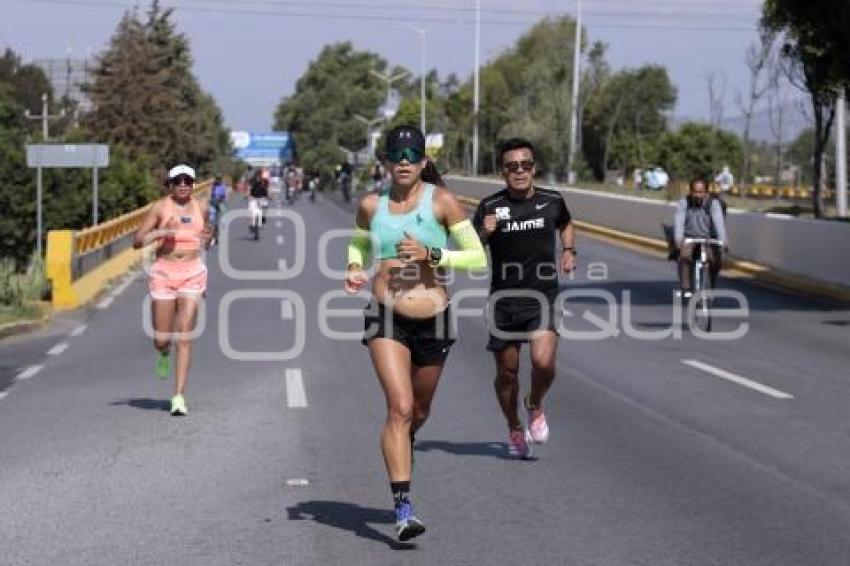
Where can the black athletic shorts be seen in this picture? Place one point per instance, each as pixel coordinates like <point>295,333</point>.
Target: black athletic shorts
<point>428,339</point>
<point>521,317</point>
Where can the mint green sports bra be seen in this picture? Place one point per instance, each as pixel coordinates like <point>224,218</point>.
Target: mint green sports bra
<point>420,223</point>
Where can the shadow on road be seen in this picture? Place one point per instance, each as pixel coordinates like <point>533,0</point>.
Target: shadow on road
<point>491,449</point>
<point>349,517</point>
<point>147,404</point>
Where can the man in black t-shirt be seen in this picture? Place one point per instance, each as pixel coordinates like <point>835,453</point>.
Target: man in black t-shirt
<point>519,224</point>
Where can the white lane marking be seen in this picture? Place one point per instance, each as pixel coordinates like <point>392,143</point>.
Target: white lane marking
<point>3,395</point>
<point>29,372</point>
<point>120,288</point>
<point>104,304</point>
<point>79,330</point>
<point>286,312</point>
<point>278,224</point>
<point>734,378</point>
<point>57,349</point>
<point>279,240</point>
<point>297,482</point>
<point>296,397</point>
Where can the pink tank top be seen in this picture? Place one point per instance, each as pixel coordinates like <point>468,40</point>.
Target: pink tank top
<point>188,223</point>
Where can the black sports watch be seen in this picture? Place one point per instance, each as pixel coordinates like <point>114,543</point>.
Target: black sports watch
<point>434,256</point>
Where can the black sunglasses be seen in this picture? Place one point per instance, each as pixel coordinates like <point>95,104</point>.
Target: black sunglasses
<point>181,179</point>
<point>515,166</point>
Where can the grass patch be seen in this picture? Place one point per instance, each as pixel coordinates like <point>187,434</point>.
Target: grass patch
<point>28,312</point>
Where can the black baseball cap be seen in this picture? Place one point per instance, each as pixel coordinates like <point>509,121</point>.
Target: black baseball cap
<point>402,137</point>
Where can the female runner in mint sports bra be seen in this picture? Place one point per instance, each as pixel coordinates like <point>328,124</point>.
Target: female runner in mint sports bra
<point>177,225</point>
<point>406,231</point>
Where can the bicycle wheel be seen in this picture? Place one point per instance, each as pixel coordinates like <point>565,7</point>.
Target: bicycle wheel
<point>702,299</point>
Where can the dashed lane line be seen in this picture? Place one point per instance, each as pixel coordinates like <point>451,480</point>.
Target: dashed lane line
<point>296,397</point>
<point>57,349</point>
<point>29,372</point>
<point>79,330</point>
<point>738,379</point>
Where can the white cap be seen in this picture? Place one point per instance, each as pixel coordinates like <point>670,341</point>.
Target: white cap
<point>181,170</point>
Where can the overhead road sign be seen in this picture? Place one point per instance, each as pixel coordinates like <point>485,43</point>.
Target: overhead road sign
<point>263,148</point>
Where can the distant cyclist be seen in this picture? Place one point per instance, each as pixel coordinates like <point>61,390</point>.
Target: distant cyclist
<point>344,175</point>
<point>698,215</point>
<point>218,194</point>
<point>290,182</point>
<point>259,195</point>
<point>378,175</point>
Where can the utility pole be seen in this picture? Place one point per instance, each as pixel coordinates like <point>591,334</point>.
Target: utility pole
<point>44,117</point>
<point>571,174</point>
<point>476,88</point>
<point>841,155</point>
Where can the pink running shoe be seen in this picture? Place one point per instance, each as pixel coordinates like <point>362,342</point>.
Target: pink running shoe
<point>538,428</point>
<point>518,446</point>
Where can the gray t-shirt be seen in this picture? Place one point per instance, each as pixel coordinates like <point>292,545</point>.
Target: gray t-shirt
<point>699,222</point>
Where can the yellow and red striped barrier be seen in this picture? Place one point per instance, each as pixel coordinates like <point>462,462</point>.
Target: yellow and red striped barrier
<point>65,246</point>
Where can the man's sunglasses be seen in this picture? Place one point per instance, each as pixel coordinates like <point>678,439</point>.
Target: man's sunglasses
<point>181,180</point>
<point>412,155</point>
<point>515,166</point>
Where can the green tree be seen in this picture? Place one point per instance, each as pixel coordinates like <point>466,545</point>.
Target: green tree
<point>147,99</point>
<point>816,50</point>
<point>337,85</point>
<point>695,149</point>
<point>623,121</point>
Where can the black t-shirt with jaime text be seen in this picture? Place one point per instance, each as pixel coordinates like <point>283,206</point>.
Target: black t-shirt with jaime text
<point>522,249</point>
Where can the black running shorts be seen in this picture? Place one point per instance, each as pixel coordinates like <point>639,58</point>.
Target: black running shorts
<point>518,317</point>
<point>428,339</point>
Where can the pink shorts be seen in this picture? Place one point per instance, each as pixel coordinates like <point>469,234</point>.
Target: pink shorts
<point>168,279</point>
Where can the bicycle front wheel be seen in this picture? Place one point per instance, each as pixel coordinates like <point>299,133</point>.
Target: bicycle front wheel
<point>702,300</point>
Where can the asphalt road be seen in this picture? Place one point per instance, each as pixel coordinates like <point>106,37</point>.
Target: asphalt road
<point>661,452</point>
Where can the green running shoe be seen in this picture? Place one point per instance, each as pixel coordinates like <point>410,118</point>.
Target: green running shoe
<point>178,406</point>
<point>163,365</point>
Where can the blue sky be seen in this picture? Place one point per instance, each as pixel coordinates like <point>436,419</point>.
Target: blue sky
<point>249,53</point>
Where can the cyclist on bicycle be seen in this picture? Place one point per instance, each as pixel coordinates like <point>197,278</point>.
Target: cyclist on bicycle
<point>218,194</point>
<point>378,175</point>
<point>699,215</point>
<point>344,174</point>
<point>259,197</point>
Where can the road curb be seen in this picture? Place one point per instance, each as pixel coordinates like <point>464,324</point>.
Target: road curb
<point>765,275</point>
<point>23,326</point>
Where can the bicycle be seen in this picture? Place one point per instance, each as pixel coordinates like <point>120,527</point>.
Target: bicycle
<point>313,186</point>
<point>702,282</point>
<point>256,209</point>
<point>345,186</point>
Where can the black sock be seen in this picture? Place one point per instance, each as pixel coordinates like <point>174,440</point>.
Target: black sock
<point>401,491</point>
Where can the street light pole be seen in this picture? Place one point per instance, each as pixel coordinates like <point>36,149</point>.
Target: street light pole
<point>571,174</point>
<point>841,155</point>
<point>476,84</point>
<point>389,80</point>
<point>369,123</point>
<point>422,32</point>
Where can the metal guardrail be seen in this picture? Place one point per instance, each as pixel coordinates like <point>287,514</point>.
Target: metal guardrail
<point>97,244</point>
<point>84,256</point>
